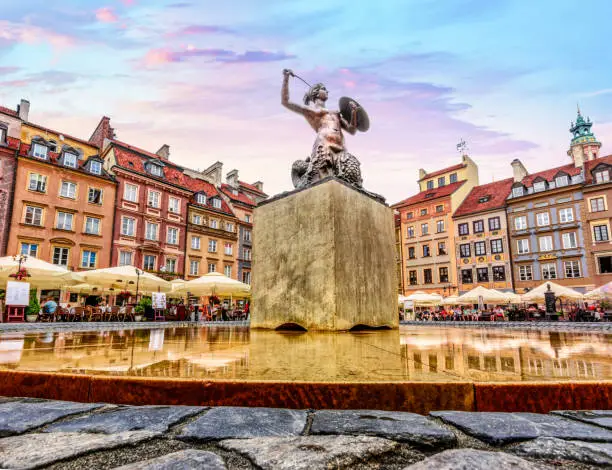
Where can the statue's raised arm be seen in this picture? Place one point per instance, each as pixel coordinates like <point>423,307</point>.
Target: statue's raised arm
<point>296,108</point>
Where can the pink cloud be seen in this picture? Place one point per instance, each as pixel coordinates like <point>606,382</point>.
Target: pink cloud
<point>128,3</point>
<point>156,57</point>
<point>106,15</point>
<point>28,34</point>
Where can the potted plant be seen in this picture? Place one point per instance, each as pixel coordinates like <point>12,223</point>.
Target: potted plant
<point>33,308</point>
<point>142,307</point>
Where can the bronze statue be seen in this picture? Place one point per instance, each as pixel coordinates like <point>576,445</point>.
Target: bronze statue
<point>329,156</point>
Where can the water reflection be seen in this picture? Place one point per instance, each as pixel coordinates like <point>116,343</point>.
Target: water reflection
<point>416,354</point>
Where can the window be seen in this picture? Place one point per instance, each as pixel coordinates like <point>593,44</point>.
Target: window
<point>127,226</point>
<point>517,192</point>
<point>196,219</point>
<point>525,273</point>
<point>29,249</point>
<point>546,243</point>
<point>174,205</point>
<point>172,237</point>
<point>88,259</point>
<point>194,267</point>
<point>156,170</point>
<point>216,202</point>
<point>569,240</point>
<point>604,264</point>
<point>247,235</point>
<point>195,243</point>
<point>572,269</point>
<point>130,192</point>
<point>464,250</point>
<point>40,150</point>
<point>424,229</point>
<point>3,131</point>
<point>229,227</point>
<point>598,204</point>
<point>409,215</point>
<point>602,176</point>
<point>247,254</point>
<point>520,223</point>
<point>60,256</point>
<point>442,248</point>
<point>466,276</point>
<point>539,186</point>
<point>522,246</point>
<point>443,275</point>
<point>482,274</point>
<point>201,198</point>
<point>411,254</point>
<point>430,184</point>
<point>70,159</point>
<point>151,231</point>
<point>170,265</point>
<point>229,249</point>
<point>227,270</point>
<point>64,220</point>
<point>542,219</point>
<point>154,198</point>
<point>33,216</point>
<point>561,180</point>
<point>410,232</point>
<point>494,224</point>
<point>92,225</point>
<point>497,246</point>
<point>212,267</point>
<point>68,189</point>
<point>94,196</point>
<point>149,262</point>
<point>212,246</point>
<point>213,223</point>
<point>453,178</point>
<point>566,215</point>
<point>37,183</point>
<point>439,226</point>
<point>95,167</point>
<point>440,208</point>
<point>600,233</point>
<point>549,271</point>
<point>441,181</point>
<point>426,252</point>
<point>412,278</point>
<point>464,229</point>
<point>247,219</point>
<point>478,226</point>
<point>480,248</point>
<point>246,277</point>
<point>423,212</point>
<point>499,274</point>
<point>125,258</point>
<point>427,277</point>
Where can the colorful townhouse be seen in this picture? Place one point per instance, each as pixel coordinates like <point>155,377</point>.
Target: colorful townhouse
<point>427,229</point>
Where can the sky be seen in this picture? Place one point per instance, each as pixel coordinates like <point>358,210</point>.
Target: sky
<point>204,77</point>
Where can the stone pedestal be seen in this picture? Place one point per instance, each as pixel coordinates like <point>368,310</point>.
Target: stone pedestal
<point>324,259</point>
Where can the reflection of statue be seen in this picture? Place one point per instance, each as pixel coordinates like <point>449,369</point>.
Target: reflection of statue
<point>329,156</point>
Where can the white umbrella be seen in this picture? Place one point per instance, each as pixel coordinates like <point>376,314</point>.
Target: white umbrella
<point>602,292</point>
<point>121,276</point>
<point>423,298</point>
<point>214,284</point>
<point>41,273</point>
<point>537,294</point>
<point>450,300</point>
<point>511,297</point>
<point>483,294</point>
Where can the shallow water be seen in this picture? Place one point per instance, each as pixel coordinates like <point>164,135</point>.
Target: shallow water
<point>410,354</point>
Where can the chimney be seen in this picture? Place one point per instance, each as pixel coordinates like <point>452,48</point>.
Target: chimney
<point>422,174</point>
<point>232,179</point>
<point>164,152</point>
<point>103,133</point>
<point>214,173</point>
<point>258,185</point>
<point>23,109</point>
<point>518,170</point>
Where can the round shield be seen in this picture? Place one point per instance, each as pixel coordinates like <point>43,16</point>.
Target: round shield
<point>363,121</point>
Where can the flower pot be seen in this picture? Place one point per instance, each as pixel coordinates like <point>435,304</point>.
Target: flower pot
<point>137,317</point>
<point>31,318</point>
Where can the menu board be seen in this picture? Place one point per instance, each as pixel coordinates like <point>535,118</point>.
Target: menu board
<point>158,300</point>
<point>17,293</point>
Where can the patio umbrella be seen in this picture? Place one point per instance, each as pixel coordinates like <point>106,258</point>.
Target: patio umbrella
<point>423,298</point>
<point>601,293</point>
<point>42,274</point>
<point>537,294</point>
<point>450,300</point>
<point>511,297</point>
<point>482,294</point>
<point>121,276</point>
<point>214,284</point>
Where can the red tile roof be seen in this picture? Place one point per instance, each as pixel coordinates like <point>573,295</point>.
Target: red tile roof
<point>432,194</point>
<point>550,174</point>
<point>588,166</point>
<point>444,170</point>
<point>252,188</point>
<point>495,193</point>
<point>240,197</point>
<point>8,111</point>
<point>76,139</point>
<point>197,185</point>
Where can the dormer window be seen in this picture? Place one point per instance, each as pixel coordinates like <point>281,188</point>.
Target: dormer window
<point>40,151</point>
<point>602,176</point>
<point>70,159</point>
<point>216,202</point>
<point>517,191</point>
<point>95,167</point>
<point>3,133</point>
<point>156,170</point>
<point>235,192</point>
<point>484,199</point>
<point>201,198</point>
<point>561,180</point>
<point>539,186</point>
<point>52,145</point>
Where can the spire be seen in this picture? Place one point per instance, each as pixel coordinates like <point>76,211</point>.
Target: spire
<point>584,145</point>
<point>581,130</point>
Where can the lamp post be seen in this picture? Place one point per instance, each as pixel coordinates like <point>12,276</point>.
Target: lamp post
<point>19,275</point>
<point>138,273</point>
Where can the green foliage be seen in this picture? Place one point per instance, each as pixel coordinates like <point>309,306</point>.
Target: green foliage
<point>143,304</point>
<point>34,306</point>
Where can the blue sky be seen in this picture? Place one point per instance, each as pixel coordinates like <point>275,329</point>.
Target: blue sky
<point>204,77</point>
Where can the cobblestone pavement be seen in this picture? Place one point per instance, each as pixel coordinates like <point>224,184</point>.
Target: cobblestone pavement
<point>37,433</point>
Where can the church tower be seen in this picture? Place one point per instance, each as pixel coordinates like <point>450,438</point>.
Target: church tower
<point>584,146</point>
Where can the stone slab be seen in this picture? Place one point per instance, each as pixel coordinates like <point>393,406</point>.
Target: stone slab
<point>137,418</point>
<point>578,451</point>
<point>503,428</point>
<point>318,262</point>
<point>601,418</point>
<point>184,459</point>
<point>309,452</point>
<point>398,426</point>
<point>471,459</point>
<point>20,416</point>
<point>40,449</point>
<point>236,422</point>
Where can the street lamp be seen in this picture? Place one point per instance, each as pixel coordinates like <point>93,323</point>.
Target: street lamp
<point>19,275</point>
<point>138,273</point>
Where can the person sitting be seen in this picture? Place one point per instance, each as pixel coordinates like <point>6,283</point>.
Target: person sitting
<point>50,306</point>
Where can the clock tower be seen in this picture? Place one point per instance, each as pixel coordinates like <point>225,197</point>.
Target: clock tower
<point>584,146</point>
